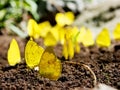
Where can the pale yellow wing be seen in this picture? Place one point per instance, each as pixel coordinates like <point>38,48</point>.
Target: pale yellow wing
<point>33,53</point>
<point>65,50</point>
<point>33,29</point>
<point>50,40</point>
<point>77,47</point>
<point>44,28</point>
<point>70,49</point>
<point>81,35</point>
<point>88,39</point>
<point>50,65</point>
<point>103,38</point>
<point>64,18</point>
<point>55,31</point>
<point>116,32</point>
<point>13,54</point>
<point>61,35</point>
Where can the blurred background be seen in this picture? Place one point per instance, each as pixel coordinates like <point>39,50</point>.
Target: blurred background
<point>94,14</point>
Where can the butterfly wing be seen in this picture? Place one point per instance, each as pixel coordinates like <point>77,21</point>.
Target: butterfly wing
<point>116,32</point>
<point>88,39</point>
<point>33,53</point>
<point>50,40</point>
<point>70,49</point>
<point>33,29</point>
<point>50,66</point>
<point>103,39</point>
<point>13,54</point>
<point>81,35</point>
<point>64,18</point>
<point>65,50</point>
<point>44,28</point>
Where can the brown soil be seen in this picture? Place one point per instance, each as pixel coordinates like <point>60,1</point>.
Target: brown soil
<point>104,62</point>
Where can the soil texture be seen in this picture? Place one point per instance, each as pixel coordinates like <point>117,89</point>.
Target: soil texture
<point>104,62</point>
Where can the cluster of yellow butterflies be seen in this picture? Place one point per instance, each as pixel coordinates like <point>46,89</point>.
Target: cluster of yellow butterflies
<point>35,56</point>
<point>63,32</point>
<point>69,36</point>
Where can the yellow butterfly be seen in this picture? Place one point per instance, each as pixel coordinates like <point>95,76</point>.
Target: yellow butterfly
<point>77,47</point>
<point>88,38</point>
<point>33,29</point>
<point>65,50</point>
<point>103,39</point>
<point>68,49</point>
<point>55,31</point>
<point>33,53</point>
<point>70,42</point>
<point>68,46</point>
<point>64,18</point>
<point>81,35</point>
<point>13,54</point>
<point>52,37</point>
<point>75,33</point>
<point>76,43</point>
<point>50,40</point>
<point>61,35</point>
<point>44,28</point>
<point>50,65</point>
<point>116,32</point>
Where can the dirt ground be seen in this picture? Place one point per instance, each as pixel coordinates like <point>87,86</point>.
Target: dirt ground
<point>104,62</point>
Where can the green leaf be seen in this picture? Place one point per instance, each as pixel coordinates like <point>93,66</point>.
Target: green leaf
<point>33,8</point>
<point>2,14</point>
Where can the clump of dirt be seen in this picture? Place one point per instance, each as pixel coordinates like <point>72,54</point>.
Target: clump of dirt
<point>105,64</point>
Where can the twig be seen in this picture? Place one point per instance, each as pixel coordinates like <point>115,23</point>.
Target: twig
<point>94,76</point>
<point>86,66</point>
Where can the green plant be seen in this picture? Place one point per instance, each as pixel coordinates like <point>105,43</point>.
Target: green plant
<point>12,11</point>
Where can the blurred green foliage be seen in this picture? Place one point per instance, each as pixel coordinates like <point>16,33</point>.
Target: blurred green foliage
<point>15,8</point>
